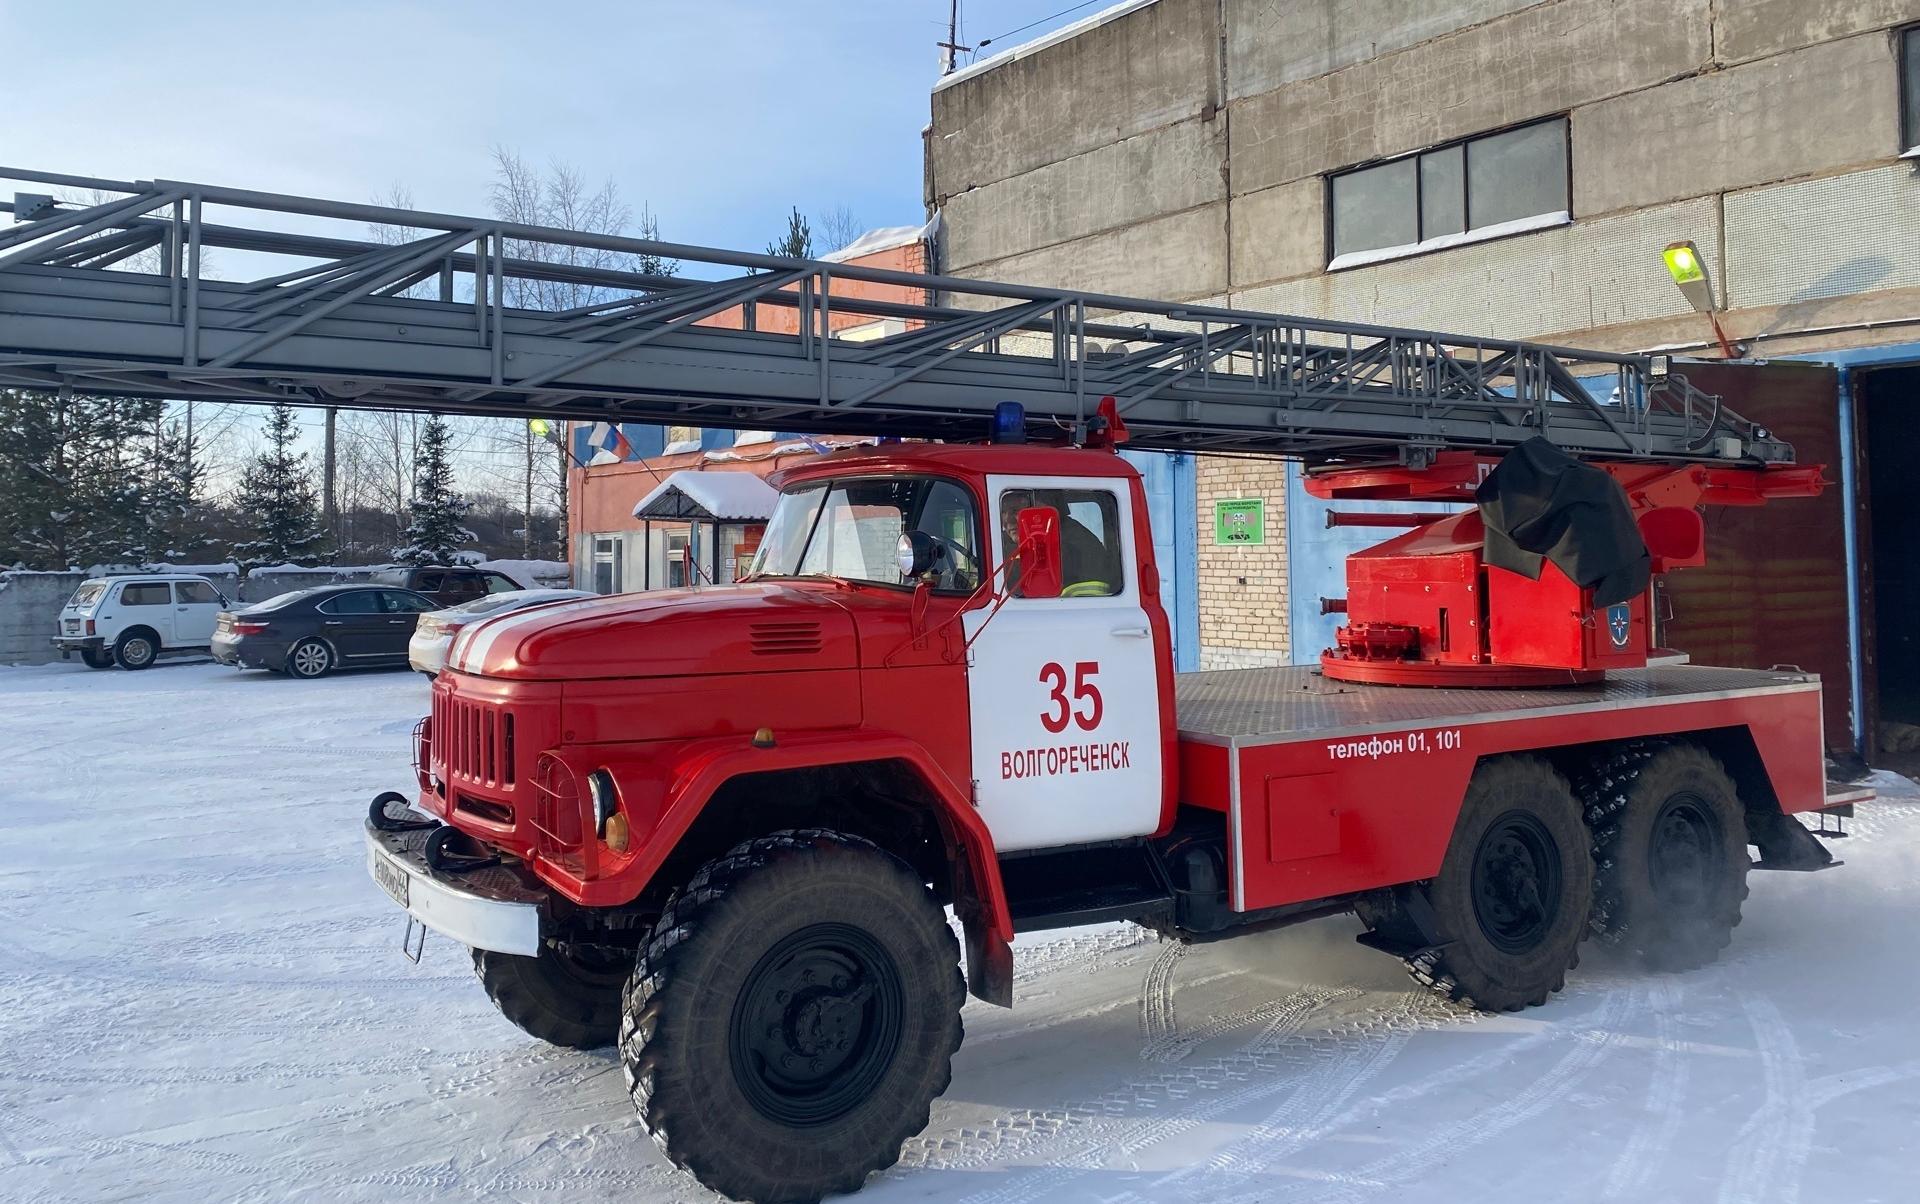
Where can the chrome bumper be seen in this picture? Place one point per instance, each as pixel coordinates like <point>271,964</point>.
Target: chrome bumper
<point>493,909</point>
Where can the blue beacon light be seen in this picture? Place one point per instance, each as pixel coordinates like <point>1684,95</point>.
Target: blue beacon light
<point>1009,423</point>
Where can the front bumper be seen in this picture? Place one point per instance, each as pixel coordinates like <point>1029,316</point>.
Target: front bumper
<point>495,908</point>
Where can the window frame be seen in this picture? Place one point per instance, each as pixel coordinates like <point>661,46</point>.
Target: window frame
<point>180,598</point>
<point>832,483</point>
<point>327,605</point>
<point>1127,588</point>
<point>165,588</point>
<point>1907,86</point>
<point>1466,236</point>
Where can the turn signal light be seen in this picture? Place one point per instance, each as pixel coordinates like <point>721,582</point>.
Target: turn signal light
<point>618,835</point>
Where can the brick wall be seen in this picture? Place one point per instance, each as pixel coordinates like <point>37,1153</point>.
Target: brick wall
<point>1243,588</point>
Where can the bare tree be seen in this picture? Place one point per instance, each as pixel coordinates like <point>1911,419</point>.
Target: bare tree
<point>838,228</point>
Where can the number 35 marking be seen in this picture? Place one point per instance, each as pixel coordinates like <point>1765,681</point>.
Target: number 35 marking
<point>1084,691</point>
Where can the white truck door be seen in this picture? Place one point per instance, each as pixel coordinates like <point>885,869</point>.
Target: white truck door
<point>1062,692</point>
<point>195,604</point>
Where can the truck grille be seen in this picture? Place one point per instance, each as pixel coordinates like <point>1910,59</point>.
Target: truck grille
<point>474,740</point>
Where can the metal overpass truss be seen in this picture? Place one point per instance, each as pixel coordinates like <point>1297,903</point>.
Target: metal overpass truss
<point>191,291</point>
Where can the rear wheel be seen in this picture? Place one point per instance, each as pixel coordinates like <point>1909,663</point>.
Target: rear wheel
<point>793,1017</point>
<point>97,658</point>
<point>567,995</point>
<point>1670,842</point>
<point>1512,896</point>
<point>309,659</point>
<point>136,649</point>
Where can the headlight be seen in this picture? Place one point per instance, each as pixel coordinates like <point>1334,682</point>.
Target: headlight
<point>606,799</point>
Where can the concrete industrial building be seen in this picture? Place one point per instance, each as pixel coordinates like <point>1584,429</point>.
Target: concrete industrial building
<point>1510,168</point>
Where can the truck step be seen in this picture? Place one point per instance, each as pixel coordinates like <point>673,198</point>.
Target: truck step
<point>1070,887</point>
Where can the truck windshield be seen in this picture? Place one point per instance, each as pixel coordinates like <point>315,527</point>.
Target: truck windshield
<point>852,530</point>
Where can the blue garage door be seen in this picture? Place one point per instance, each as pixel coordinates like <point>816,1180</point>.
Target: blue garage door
<point>1169,481</point>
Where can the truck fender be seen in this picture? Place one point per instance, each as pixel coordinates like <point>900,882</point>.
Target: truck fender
<point>979,897</point>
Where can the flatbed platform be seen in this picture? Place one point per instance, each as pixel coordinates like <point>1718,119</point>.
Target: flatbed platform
<point>1245,707</point>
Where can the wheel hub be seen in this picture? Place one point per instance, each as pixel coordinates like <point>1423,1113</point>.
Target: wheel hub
<point>1683,847</point>
<point>1516,882</point>
<point>816,1025</point>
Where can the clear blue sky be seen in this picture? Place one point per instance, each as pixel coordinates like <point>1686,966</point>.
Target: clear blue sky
<point>716,114</point>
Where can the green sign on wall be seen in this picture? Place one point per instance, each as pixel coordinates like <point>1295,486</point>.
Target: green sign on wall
<point>1240,520</point>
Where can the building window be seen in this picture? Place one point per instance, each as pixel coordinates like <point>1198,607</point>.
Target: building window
<point>608,553</point>
<point>1483,187</point>
<point>1910,89</point>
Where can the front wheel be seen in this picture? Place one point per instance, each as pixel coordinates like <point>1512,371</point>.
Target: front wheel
<point>793,1017</point>
<point>567,995</point>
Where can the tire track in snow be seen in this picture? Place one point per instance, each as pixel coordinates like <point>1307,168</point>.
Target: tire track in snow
<point>1025,1133</point>
<point>1159,1023</point>
<point>1594,1041</point>
<point>1772,1148</point>
<point>1265,1055</point>
<point>1653,1134</point>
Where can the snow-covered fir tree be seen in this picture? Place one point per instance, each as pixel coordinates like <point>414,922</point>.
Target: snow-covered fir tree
<point>276,497</point>
<point>71,491</point>
<point>435,532</point>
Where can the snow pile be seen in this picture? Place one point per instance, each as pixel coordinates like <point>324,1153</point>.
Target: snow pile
<point>886,238</point>
<point>219,1010</point>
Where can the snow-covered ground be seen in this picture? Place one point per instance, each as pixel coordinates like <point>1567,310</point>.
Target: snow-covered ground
<point>202,998</point>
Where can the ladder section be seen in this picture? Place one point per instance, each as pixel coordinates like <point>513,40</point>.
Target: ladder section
<point>188,290</point>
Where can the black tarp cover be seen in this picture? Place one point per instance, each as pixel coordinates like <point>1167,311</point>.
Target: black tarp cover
<point>1541,504</point>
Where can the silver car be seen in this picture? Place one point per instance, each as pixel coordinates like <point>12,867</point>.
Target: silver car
<point>434,634</point>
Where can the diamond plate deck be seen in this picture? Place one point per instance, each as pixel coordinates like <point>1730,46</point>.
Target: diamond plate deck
<point>1268,706</point>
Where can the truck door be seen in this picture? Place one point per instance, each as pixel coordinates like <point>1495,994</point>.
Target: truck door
<point>1062,692</point>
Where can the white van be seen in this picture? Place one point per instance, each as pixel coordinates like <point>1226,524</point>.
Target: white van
<point>130,621</point>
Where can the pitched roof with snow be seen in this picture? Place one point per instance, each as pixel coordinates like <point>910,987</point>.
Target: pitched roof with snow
<point>697,494</point>
<point>886,238</point>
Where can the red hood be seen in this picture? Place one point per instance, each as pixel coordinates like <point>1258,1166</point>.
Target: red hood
<point>756,628</point>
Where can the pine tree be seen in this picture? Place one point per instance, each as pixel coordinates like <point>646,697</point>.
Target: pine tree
<point>70,487</point>
<point>435,532</point>
<point>276,494</point>
<point>173,524</point>
<point>798,241</point>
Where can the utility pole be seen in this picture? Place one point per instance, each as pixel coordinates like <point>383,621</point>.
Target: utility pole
<point>329,499</point>
<point>952,45</point>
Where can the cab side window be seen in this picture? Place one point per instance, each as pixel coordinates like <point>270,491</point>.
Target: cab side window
<point>194,592</point>
<point>1092,562</point>
<point>397,602</point>
<point>499,583</point>
<point>152,594</point>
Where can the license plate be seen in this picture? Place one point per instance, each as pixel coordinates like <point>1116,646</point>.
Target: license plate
<point>73,626</point>
<point>392,878</point>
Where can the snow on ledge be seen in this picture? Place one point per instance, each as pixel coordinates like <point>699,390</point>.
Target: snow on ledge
<point>1519,225</point>
<point>886,238</point>
<point>1042,42</point>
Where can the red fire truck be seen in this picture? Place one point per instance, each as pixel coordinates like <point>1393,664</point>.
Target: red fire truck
<point>723,825</point>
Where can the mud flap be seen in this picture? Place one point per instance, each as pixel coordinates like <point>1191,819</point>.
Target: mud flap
<point>989,963</point>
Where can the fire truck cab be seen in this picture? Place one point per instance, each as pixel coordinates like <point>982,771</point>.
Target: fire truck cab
<point>723,824</point>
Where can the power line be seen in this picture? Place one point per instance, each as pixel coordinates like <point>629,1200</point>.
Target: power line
<point>985,42</point>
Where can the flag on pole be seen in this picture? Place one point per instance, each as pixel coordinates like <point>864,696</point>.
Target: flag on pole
<point>607,444</point>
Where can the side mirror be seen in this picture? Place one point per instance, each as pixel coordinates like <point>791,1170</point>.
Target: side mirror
<point>1039,567</point>
<point>915,554</point>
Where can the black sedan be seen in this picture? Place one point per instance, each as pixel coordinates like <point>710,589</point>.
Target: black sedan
<point>311,632</point>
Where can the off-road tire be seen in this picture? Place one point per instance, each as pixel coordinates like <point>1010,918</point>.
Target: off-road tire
<point>563,999</point>
<point>1494,954</point>
<point>1670,853</point>
<point>295,660</point>
<point>97,658</point>
<point>745,922</point>
<point>136,649</point>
